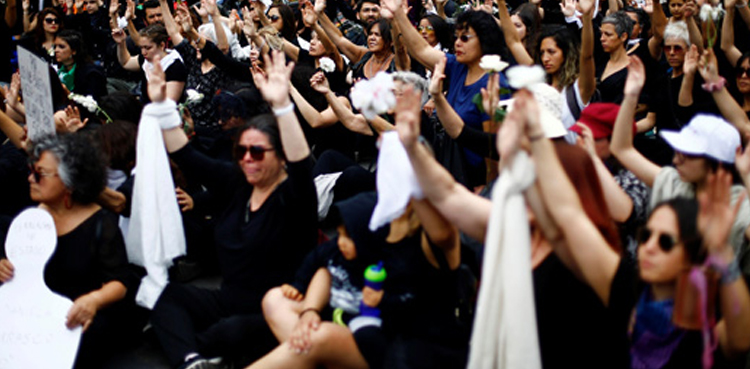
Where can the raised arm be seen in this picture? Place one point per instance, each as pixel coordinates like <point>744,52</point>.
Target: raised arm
<point>123,55</point>
<point>10,13</point>
<point>313,117</point>
<point>418,48</point>
<point>622,135</point>
<point>658,25</point>
<point>403,62</point>
<point>731,51</point>
<point>587,76</point>
<point>173,29</point>
<point>12,130</point>
<point>467,211</point>
<point>696,37</point>
<point>591,257</point>
<point>129,16</point>
<point>439,231</point>
<point>732,112</point>
<point>689,68</point>
<point>274,86</point>
<point>340,106</point>
<point>514,43</point>
<point>221,36</point>
<point>448,117</point>
<point>352,51</point>
<point>310,18</point>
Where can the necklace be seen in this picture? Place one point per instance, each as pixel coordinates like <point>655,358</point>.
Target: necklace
<point>385,62</point>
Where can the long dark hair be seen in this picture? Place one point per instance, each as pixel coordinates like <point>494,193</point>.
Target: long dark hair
<point>39,30</point>
<point>74,39</point>
<point>267,124</point>
<point>686,211</point>
<point>443,31</point>
<point>289,25</point>
<point>571,52</point>
<point>488,32</point>
<point>530,17</point>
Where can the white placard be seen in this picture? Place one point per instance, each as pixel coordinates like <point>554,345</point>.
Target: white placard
<point>32,318</point>
<point>37,94</point>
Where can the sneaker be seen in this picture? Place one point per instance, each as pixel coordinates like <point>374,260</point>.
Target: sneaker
<point>199,362</point>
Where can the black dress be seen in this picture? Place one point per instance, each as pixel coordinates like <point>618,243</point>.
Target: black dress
<point>86,258</point>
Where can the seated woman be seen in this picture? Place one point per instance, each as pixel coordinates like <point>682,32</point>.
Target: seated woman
<point>267,225</point>
<point>678,240</point>
<point>153,43</point>
<point>76,71</point>
<point>89,264</point>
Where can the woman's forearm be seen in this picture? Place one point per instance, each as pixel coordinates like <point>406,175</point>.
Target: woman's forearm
<point>448,117</point>
<point>685,99</point>
<point>353,122</point>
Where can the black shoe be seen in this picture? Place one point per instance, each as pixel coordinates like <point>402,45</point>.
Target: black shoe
<point>199,362</point>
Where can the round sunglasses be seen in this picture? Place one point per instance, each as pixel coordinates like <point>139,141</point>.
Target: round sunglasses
<point>665,241</point>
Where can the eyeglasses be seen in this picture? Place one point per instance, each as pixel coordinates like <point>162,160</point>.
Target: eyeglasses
<point>51,21</point>
<point>426,28</point>
<point>666,242</point>
<point>673,48</point>
<point>257,153</point>
<point>37,175</point>
<point>274,18</point>
<point>465,37</point>
<point>742,72</point>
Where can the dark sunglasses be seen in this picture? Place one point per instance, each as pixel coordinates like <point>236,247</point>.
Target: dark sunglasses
<point>666,242</point>
<point>39,175</point>
<point>465,38</point>
<point>274,18</point>
<point>742,72</point>
<point>257,153</point>
<point>673,48</point>
<point>51,21</point>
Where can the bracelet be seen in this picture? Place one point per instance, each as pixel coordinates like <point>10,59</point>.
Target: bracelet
<point>308,310</point>
<point>740,6</point>
<point>537,137</point>
<point>714,86</point>
<point>285,110</point>
<point>730,272</point>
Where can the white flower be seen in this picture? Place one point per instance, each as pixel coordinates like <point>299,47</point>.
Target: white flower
<point>193,96</point>
<point>327,65</point>
<point>87,102</point>
<point>375,96</point>
<point>522,76</point>
<point>492,64</point>
<point>706,12</point>
<point>718,12</point>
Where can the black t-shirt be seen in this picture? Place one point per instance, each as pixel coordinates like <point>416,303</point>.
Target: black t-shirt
<point>262,249</point>
<point>175,72</point>
<point>575,329</point>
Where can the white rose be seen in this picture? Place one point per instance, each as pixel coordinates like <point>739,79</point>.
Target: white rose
<point>522,76</point>
<point>706,12</point>
<point>375,96</point>
<point>718,12</point>
<point>193,96</point>
<point>492,64</point>
<point>327,65</point>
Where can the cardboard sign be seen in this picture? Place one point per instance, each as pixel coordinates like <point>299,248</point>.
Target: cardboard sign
<point>32,318</point>
<point>37,95</point>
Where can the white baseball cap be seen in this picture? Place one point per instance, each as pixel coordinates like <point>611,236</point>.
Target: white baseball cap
<point>550,109</point>
<point>705,135</point>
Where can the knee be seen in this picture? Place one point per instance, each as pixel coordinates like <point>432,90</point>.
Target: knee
<point>272,302</point>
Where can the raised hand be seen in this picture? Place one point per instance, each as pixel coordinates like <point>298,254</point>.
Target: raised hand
<point>210,6</point>
<point>320,6</point>
<point>689,9</point>
<point>490,96</point>
<point>586,139</point>
<point>691,61</point>
<point>708,66</point>
<point>636,77</point>
<point>309,16</point>
<point>438,75</point>
<point>118,35</point>
<point>391,5</point>
<point>716,214</point>
<point>319,83</point>
<point>648,7</point>
<point>274,85</point>
<point>200,10</point>
<point>129,10</point>
<point>182,16</point>
<point>157,82</point>
<point>25,5</point>
<point>586,6</point>
<point>73,119</point>
<point>114,7</point>
<point>568,8</point>
<point>408,117</point>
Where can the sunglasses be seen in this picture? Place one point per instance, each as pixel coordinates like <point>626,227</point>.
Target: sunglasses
<point>426,28</point>
<point>742,72</point>
<point>666,242</point>
<point>37,175</point>
<point>51,21</point>
<point>257,153</point>
<point>673,48</point>
<point>274,18</point>
<point>465,38</point>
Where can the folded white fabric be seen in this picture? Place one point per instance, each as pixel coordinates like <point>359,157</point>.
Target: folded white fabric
<point>395,180</point>
<point>505,333</point>
<point>155,235</point>
<point>324,186</point>
<point>166,61</point>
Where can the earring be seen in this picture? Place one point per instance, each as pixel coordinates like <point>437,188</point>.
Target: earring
<point>68,201</point>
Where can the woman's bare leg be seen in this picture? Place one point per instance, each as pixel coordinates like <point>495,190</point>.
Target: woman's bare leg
<point>281,313</point>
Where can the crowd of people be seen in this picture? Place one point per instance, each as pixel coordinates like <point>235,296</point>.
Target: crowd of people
<point>622,125</point>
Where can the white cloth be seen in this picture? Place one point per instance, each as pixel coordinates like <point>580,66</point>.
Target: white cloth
<point>395,180</point>
<point>505,332</point>
<point>324,186</point>
<point>155,234</point>
<point>171,57</point>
